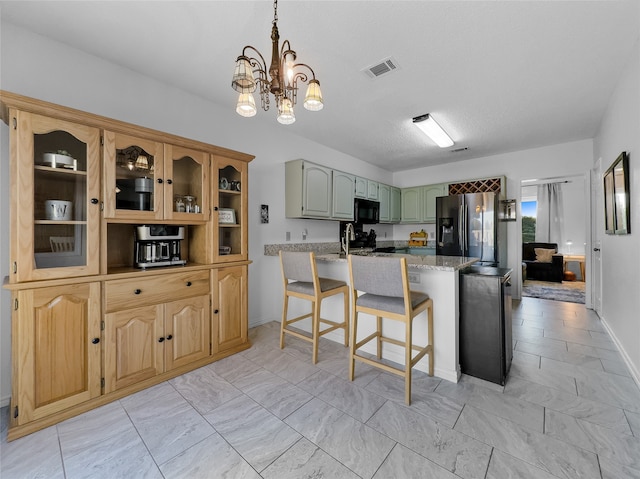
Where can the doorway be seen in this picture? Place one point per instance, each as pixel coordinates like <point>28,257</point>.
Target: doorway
<point>569,230</point>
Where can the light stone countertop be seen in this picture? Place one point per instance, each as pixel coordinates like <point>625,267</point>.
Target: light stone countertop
<point>419,262</point>
<point>329,252</point>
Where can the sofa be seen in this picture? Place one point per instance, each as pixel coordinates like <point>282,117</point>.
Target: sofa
<point>545,265</point>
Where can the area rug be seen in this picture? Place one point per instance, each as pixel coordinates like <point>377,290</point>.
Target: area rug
<point>569,291</point>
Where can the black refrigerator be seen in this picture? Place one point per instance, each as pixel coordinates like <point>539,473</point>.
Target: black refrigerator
<point>486,345</point>
<point>468,225</point>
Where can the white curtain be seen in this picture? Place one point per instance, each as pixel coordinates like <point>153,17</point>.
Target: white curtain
<point>550,214</point>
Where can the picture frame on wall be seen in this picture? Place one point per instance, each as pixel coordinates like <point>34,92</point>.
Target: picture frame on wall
<point>617,214</point>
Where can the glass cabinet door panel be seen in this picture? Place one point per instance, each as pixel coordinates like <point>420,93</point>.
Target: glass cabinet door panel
<point>58,198</point>
<point>187,184</point>
<point>231,210</point>
<point>133,172</point>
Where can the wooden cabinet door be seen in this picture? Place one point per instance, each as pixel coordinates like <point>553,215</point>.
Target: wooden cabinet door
<point>55,207</point>
<point>187,331</point>
<point>133,177</point>
<point>230,320</point>
<point>186,174</point>
<point>56,349</point>
<point>343,187</point>
<point>230,209</point>
<point>134,346</point>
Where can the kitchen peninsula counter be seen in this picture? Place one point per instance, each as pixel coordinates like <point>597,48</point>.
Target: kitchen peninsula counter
<point>437,276</point>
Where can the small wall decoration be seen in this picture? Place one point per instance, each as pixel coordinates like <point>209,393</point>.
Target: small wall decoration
<point>617,215</point>
<point>264,213</point>
<point>227,216</point>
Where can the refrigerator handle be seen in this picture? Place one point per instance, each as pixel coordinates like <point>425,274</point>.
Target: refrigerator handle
<point>461,228</point>
<point>465,232</point>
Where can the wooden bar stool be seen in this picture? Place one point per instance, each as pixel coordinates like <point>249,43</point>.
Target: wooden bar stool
<point>385,284</point>
<point>300,277</point>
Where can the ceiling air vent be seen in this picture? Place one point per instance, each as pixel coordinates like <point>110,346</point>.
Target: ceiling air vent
<point>458,150</point>
<point>383,67</point>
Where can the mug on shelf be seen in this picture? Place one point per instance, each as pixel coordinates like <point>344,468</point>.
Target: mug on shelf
<point>58,210</point>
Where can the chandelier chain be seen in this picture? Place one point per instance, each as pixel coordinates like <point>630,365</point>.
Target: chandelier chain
<point>275,12</point>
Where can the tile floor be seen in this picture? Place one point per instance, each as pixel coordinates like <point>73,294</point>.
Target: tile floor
<point>569,410</point>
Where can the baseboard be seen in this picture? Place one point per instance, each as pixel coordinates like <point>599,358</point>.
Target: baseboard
<point>635,374</point>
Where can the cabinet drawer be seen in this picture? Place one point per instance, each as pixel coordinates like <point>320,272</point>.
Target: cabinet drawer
<point>143,291</point>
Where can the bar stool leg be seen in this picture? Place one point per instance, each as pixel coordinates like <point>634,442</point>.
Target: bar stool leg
<point>285,308</point>
<point>379,339</point>
<point>430,332</point>
<point>407,362</point>
<point>352,344</point>
<point>315,319</point>
<point>346,318</point>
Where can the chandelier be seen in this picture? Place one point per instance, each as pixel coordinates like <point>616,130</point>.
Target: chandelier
<point>251,74</point>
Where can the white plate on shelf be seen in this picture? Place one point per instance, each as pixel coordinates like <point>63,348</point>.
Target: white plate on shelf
<point>56,160</point>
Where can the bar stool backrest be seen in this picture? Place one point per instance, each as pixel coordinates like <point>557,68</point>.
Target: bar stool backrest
<point>378,275</point>
<point>297,266</point>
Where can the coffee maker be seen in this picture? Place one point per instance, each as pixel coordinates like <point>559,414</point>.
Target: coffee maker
<point>158,245</point>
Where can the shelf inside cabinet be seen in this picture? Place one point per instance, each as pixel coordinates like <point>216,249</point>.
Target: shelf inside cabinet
<point>48,170</point>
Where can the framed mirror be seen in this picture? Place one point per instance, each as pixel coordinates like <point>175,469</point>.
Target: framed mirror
<point>616,197</point>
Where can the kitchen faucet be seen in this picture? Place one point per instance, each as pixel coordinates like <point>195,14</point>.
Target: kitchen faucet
<point>349,234</point>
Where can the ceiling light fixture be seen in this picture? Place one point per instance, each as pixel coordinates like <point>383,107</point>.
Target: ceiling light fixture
<point>284,74</point>
<point>434,131</point>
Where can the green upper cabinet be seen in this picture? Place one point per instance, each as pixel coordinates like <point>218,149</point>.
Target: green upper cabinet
<point>396,205</point>
<point>429,195</point>
<point>343,190</point>
<point>372,190</point>
<point>411,204</point>
<point>390,204</point>
<point>384,196</point>
<point>361,187</point>
<point>307,190</point>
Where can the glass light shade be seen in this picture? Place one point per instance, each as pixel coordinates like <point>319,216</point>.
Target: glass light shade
<point>285,112</point>
<point>246,105</point>
<point>434,131</point>
<point>313,98</point>
<point>243,80</point>
<point>142,163</point>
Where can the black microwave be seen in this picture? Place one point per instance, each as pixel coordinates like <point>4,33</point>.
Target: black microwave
<point>366,211</point>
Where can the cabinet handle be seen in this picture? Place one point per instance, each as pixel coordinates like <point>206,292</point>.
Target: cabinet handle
<point>215,208</point>
<point>160,180</point>
<point>170,337</point>
<point>161,340</point>
<point>94,201</point>
<point>169,181</point>
<point>188,283</point>
<point>95,340</point>
<point>137,291</point>
<point>215,311</point>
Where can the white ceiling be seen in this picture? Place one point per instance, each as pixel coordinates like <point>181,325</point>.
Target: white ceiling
<point>499,76</point>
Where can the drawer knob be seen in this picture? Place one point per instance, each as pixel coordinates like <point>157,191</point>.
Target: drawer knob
<point>215,208</point>
<point>95,340</point>
<point>188,283</point>
<point>137,291</point>
<point>161,340</point>
<point>160,180</point>
<point>169,337</point>
<point>215,311</point>
<point>94,201</point>
<point>169,181</point>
